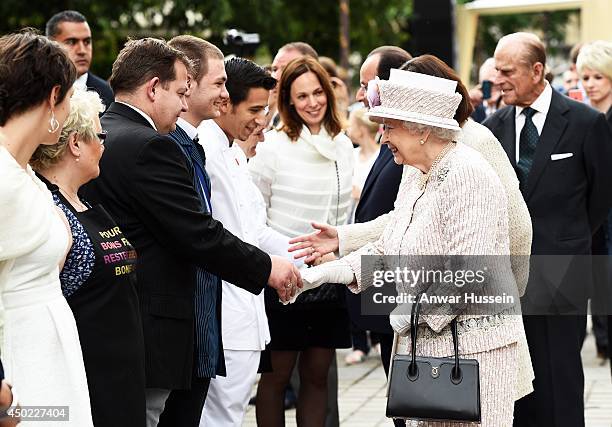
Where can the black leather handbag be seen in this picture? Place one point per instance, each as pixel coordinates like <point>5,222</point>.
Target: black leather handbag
<point>433,388</point>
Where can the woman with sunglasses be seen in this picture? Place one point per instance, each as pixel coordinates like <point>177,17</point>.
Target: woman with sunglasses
<point>97,277</point>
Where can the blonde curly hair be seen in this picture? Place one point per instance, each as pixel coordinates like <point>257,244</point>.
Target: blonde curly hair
<point>84,108</point>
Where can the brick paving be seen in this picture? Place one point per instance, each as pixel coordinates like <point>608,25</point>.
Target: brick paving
<point>361,393</point>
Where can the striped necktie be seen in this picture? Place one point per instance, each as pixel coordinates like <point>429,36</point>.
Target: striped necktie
<point>527,146</point>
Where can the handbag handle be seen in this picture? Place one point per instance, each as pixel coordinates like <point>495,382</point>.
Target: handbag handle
<point>456,375</point>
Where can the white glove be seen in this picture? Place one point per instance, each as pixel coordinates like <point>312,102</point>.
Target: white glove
<point>331,272</point>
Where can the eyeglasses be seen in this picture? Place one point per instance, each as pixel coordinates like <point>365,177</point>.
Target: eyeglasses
<point>102,136</point>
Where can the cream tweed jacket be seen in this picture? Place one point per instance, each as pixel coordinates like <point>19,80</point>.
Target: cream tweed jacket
<point>478,137</point>
<point>461,211</point>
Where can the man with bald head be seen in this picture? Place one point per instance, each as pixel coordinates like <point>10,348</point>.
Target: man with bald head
<point>562,152</point>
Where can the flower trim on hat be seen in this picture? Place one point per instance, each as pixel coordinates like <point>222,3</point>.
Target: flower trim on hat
<point>372,93</point>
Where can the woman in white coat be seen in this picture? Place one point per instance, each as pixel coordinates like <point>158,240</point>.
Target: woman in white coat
<point>40,348</point>
<point>304,172</point>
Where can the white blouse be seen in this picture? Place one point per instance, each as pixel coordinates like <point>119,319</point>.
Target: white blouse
<point>304,181</point>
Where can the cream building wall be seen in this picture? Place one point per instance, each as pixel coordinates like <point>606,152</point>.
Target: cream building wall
<point>594,22</point>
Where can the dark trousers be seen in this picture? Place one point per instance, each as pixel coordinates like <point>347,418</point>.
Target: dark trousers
<point>184,407</point>
<point>600,330</point>
<point>558,397</point>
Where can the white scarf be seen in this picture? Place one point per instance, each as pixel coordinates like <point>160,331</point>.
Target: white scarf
<point>323,142</point>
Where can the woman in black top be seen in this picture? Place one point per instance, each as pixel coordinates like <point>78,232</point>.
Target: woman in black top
<point>97,276</point>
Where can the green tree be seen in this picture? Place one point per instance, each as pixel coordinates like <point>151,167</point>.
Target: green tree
<point>492,27</point>
<point>373,22</point>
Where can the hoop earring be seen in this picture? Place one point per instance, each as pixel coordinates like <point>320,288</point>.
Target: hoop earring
<point>53,123</point>
<point>421,141</point>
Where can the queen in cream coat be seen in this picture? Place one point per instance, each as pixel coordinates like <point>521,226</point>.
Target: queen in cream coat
<point>456,207</point>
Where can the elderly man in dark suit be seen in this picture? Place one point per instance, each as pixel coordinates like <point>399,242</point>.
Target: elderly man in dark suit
<point>147,187</point>
<point>70,29</point>
<point>562,153</point>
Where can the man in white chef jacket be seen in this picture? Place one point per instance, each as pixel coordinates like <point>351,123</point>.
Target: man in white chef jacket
<point>234,199</point>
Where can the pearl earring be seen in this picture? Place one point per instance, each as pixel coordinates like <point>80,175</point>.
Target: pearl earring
<point>421,141</point>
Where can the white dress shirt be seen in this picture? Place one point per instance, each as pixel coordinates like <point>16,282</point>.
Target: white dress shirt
<point>189,129</point>
<point>240,207</point>
<point>142,113</point>
<point>81,82</point>
<point>541,105</point>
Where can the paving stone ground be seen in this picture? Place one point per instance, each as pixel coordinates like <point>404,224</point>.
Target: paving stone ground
<point>361,393</point>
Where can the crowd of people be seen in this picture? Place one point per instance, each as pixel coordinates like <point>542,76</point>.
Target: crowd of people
<point>169,234</point>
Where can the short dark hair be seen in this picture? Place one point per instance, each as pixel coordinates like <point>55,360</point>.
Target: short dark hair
<point>302,47</point>
<point>434,66</point>
<point>292,123</point>
<point>31,65</point>
<point>52,27</point>
<point>198,51</point>
<point>390,57</point>
<point>243,75</point>
<point>141,60</point>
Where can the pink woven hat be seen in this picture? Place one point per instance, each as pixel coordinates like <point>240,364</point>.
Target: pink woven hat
<point>417,98</point>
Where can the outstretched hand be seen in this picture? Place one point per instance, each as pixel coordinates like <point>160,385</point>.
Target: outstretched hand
<point>315,245</point>
<point>284,278</point>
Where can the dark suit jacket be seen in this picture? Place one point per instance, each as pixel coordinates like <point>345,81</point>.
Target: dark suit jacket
<point>102,87</point>
<point>568,199</point>
<point>479,114</point>
<point>146,186</point>
<point>377,198</point>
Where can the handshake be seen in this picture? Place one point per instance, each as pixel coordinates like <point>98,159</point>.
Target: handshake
<point>291,282</point>
<point>310,278</point>
<point>318,249</point>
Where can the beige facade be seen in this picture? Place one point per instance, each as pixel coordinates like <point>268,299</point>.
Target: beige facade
<point>594,21</point>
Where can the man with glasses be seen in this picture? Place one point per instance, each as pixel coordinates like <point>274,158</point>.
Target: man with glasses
<point>243,317</point>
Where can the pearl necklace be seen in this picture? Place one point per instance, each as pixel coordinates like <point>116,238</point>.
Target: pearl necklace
<point>439,157</point>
